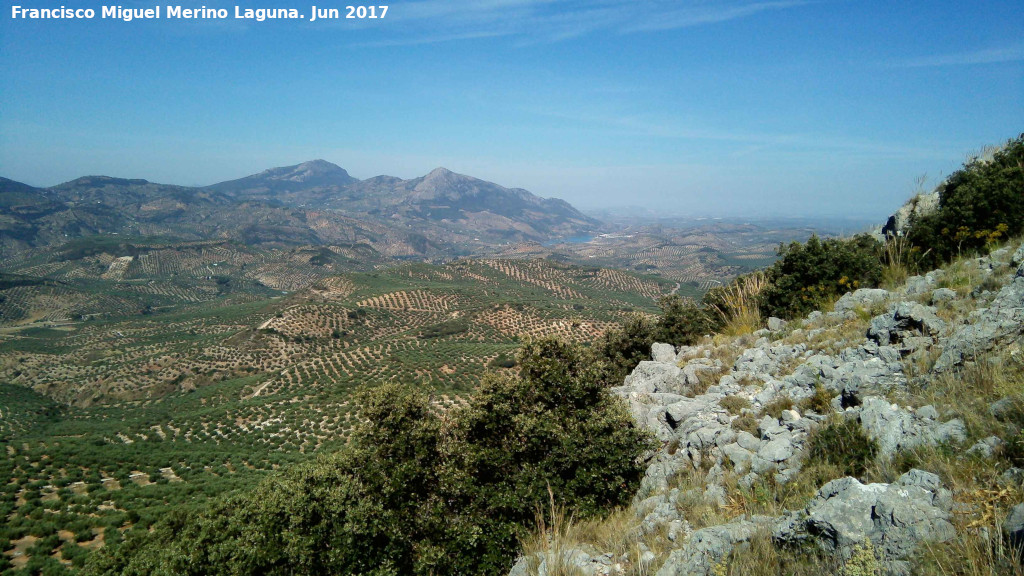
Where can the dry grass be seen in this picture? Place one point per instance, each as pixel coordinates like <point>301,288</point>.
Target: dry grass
<point>734,404</point>
<point>760,557</point>
<point>739,306</point>
<point>971,389</point>
<point>979,551</point>
<point>557,534</point>
<point>553,541</point>
<point>896,258</point>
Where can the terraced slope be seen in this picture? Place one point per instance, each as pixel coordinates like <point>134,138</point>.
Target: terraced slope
<point>112,418</point>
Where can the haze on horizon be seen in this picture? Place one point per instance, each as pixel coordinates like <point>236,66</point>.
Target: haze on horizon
<point>726,107</point>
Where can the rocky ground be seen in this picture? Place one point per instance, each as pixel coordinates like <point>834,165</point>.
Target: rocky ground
<point>929,371</point>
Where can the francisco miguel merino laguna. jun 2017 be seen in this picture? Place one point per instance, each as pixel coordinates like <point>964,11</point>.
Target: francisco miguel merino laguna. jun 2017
<point>181,13</point>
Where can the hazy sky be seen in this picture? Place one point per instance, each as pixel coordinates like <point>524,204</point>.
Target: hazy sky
<point>702,107</point>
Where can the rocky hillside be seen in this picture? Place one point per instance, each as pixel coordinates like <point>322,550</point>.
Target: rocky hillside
<point>881,437</point>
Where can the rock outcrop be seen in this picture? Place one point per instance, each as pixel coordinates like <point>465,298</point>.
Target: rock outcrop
<point>918,206</point>
<point>999,324</point>
<point>710,415</point>
<point>895,518</point>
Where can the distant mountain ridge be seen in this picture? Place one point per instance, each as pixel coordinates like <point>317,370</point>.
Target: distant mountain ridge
<point>315,202</point>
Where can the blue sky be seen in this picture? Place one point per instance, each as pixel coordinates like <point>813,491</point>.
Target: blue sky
<point>697,107</point>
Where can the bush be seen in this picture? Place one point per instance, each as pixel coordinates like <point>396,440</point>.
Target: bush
<point>808,276</point>
<point>842,443</point>
<point>683,322</point>
<point>409,496</point>
<point>502,361</point>
<point>980,204</point>
<point>552,427</point>
<point>618,352</point>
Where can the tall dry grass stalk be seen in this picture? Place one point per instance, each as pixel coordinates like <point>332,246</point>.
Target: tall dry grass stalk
<point>738,304</point>
<point>552,541</point>
<point>896,258</point>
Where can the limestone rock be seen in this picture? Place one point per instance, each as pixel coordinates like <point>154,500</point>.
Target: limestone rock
<point>863,298</point>
<point>1013,528</point>
<point>896,429</point>
<point>708,546</point>
<point>999,324</point>
<point>904,320</point>
<point>920,205</point>
<point>663,353</point>
<point>894,517</point>
<point>943,295</point>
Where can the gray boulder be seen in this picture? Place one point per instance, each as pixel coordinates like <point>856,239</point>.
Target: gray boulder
<point>918,285</point>
<point>855,373</point>
<point>776,324</point>
<point>651,377</point>
<point>573,561</point>
<point>904,320</point>
<point>1018,257</point>
<point>1006,408</point>
<point>986,447</point>
<point>920,205</point>
<point>997,325</point>
<point>897,429</point>
<point>663,353</point>
<point>709,546</point>
<point>863,298</point>
<point>1013,528</point>
<point>766,361</point>
<point>943,295</point>
<point>894,517</point>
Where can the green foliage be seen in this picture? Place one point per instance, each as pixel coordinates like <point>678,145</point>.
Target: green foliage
<point>617,352</point>
<point>842,443</point>
<point>449,328</point>
<point>980,204</point>
<point>682,322</point>
<point>502,361</point>
<point>413,496</point>
<point>553,426</point>
<point>808,276</point>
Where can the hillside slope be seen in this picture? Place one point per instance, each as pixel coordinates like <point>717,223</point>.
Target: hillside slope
<point>881,434</point>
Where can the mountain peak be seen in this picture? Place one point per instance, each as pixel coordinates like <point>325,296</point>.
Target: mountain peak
<point>320,165</point>
<point>309,174</point>
<point>307,171</point>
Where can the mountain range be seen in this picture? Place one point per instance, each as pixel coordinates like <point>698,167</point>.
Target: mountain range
<point>316,202</point>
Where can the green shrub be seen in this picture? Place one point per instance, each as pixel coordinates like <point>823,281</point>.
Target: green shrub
<point>618,352</point>
<point>410,496</point>
<point>810,275</point>
<point>552,427</point>
<point>980,204</point>
<point>842,443</point>
<point>502,361</point>
<point>683,322</point>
